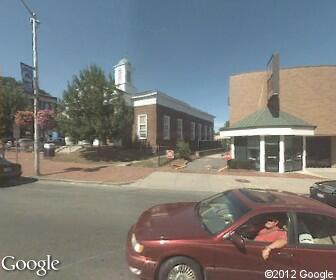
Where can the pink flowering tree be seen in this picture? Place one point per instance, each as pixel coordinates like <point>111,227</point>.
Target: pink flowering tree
<point>46,119</point>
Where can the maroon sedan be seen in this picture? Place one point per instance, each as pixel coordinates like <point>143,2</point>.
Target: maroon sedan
<point>214,239</point>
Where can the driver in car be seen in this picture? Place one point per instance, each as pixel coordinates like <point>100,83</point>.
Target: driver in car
<point>272,233</point>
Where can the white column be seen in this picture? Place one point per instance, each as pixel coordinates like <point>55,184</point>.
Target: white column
<point>262,153</point>
<point>232,148</point>
<point>282,154</point>
<point>304,153</point>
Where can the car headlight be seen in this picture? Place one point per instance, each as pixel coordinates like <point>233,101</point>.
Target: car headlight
<point>314,186</point>
<point>137,247</point>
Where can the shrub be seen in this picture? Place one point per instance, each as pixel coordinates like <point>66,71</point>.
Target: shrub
<point>240,164</point>
<point>183,149</point>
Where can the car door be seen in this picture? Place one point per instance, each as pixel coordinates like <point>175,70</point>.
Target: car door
<point>234,263</point>
<point>315,235</point>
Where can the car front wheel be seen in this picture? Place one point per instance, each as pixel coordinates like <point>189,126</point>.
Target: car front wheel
<point>180,268</point>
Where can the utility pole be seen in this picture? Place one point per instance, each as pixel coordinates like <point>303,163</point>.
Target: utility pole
<point>34,21</point>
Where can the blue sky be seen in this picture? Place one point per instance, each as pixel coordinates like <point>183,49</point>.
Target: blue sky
<point>185,48</point>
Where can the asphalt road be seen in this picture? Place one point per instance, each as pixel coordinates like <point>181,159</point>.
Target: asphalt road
<point>83,226</point>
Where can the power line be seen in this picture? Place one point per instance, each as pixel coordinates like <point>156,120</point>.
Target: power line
<point>27,8</point>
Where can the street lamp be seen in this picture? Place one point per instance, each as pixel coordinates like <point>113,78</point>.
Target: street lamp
<point>34,21</point>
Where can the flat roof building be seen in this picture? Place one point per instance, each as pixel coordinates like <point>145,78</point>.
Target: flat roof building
<point>287,130</point>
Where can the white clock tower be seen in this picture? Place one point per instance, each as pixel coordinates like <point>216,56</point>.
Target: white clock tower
<point>123,75</point>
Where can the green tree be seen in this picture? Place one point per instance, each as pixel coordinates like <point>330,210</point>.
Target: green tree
<point>122,121</point>
<point>183,149</point>
<point>92,107</point>
<point>13,100</point>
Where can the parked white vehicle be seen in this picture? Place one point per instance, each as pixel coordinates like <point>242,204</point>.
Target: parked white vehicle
<point>84,143</point>
<point>96,143</point>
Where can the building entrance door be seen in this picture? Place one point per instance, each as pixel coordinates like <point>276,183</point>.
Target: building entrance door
<point>272,153</point>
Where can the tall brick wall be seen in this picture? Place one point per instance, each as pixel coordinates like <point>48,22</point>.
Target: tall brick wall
<point>174,115</point>
<point>306,92</point>
<point>150,110</point>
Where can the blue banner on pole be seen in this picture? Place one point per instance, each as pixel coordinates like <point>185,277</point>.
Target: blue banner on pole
<point>27,73</point>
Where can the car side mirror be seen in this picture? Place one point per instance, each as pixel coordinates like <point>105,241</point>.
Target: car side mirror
<point>237,240</point>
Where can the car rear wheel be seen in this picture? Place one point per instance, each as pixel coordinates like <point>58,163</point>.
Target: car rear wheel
<point>180,268</point>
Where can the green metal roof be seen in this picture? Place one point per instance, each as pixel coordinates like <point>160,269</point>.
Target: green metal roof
<point>264,118</point>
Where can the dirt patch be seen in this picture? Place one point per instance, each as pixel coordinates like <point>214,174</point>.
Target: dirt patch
<point>95,172</point>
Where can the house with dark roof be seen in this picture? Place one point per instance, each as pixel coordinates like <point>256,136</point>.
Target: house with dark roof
<point>287,129</point>
<point>161,120</point>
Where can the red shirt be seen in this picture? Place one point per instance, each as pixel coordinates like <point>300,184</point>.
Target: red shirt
<point>271,235</point>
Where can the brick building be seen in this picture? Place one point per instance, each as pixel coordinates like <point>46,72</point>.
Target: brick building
<point>302,133</point>
<point>159,119</point>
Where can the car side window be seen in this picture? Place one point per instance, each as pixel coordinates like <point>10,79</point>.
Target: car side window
<point>316,229</point>
<point>252,227</point>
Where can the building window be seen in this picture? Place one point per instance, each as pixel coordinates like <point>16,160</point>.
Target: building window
<point>199,132</point>
<point>119,76</point>
<point>179,129</point>
<point>128,76</point>
<point>205,132</point>
<point>142,126</point>
<point>192,132</point>
<point>166,127</point>
<point>210,133</point>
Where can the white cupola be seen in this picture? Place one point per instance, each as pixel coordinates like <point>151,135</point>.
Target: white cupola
<point>123,75</point>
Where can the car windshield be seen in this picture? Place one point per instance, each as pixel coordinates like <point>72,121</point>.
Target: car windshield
<point>220,211</point>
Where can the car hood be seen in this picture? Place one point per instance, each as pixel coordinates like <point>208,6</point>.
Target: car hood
<point>170,221</point>
<point>327,186</point>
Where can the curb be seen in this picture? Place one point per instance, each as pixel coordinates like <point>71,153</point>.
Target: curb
<point>102,183</point>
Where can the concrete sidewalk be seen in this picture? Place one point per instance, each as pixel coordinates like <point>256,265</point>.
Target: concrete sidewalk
<point>161,178</point>
<point>326,173</point>
<point>210,164</point>
<point>217,183</point>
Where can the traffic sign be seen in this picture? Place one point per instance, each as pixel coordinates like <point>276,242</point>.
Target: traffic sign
<point>227,156</point>
<point>27,78</point>
<point>170,154</point>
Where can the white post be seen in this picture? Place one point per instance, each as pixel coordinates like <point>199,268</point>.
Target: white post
<point>34,21</point>
<point>232,148</point>
<point>282,154</point>
<point>304,154</point>
<point>262,153</point>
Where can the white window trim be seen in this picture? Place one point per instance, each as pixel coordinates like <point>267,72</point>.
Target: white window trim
<point>181,129</point>
<point>166,136</point>
<point>139,116</point>
<point>193,131</point>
